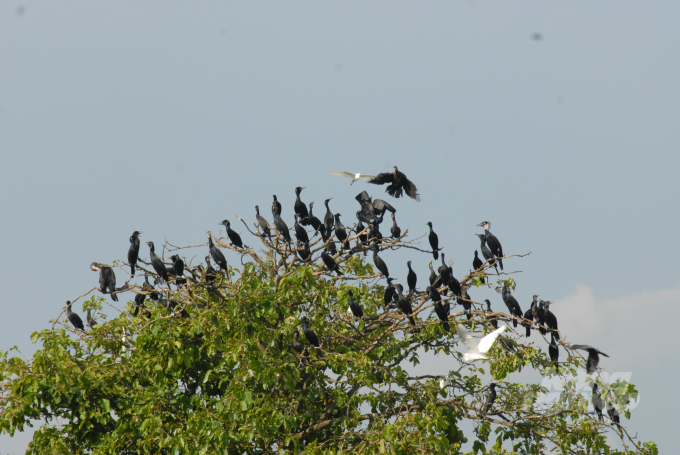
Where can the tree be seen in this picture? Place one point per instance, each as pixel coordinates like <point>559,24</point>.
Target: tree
<point>212,368</point>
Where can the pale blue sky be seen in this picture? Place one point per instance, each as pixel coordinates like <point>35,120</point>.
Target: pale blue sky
<point>168,117</point>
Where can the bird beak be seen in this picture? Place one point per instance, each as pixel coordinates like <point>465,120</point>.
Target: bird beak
<point>480,224</point>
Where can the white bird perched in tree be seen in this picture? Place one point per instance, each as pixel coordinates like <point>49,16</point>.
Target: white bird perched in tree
<point>354,177</point>
<point>444,382</point>
<point>475,351</point>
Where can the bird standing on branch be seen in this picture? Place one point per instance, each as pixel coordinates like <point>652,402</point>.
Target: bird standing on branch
<point>234,238</point>
<point>492,241</point>
<point>511,303</point>
<point>73,317</point>
<point>434,242</point>
<point>216,254</point>
<point>133,252</point>
<point>300,207</point>
<point>354,177</point>
<point>398,184</point>
<point>263,223</point>
<point>107,279</point>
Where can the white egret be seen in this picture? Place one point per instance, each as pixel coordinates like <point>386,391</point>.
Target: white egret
<point>354,177</point>
<point>475,351</point>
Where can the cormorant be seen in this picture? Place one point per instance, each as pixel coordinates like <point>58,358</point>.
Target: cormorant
<point>492,241</point>
<point>442,311</point>
<point>380,207</point>
<point>328,243</point>
<point>340,233</point>
<point>404,304</point>
<point>282,228</point>
<point>477,351</point>
<point>157,264</point>
<point>389,292</point>
<point>73,317</point>
<point>613,413</point>
<point>434,242</point>
<point>553,350</point>
<point>490,399</point>
<point>328,219</point>
<point>541,318</point>
<point>177,270</point>
<point>363,238</point>
<point>354,305</point>
<point>263,223</point>
<point>486,252</point>
<point>493,320</point>
<point>398,184</point>
<point>510,301</point>
<point>309,334</point>
<point>232,234</point>
<point>596,399</point>
<point>550,319</point>
<point>314,221</point>
<point>140,298</point>
<point>411,278</point>
<point>276,207</point>
<point>300,207</point>
<point>444,272</point>
<point>133,252</point>
<point>354,177</point>
<point>300,232</point>
<point>331,265</point>
<point>379,263</point>
<point>107,279</point>
<point>532,315</point>
<point>454,284</point>
<point>90,320</point>
<point>477,265</point>
<point>148,287</point>
<point>465,303</point>
<point>433,275</point>
<point>374,232</point>
<point>304,252</point>
<point>593,357</point>
<point>396,230</point>
<point>298,345</point>
<point>216,254</point>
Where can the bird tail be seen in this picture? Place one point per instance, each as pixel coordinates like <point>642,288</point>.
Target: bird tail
<point>446,326</point>
<point>435,254</point>
<point>132,269</point>
<point>514,322</point>
<point>412,321</point>
<point>500,262</point>
<point>114,297</point>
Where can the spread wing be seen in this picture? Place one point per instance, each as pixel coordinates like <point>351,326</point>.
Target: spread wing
<point>381,205</point>
<point>366,176</point>
<point>486,342</point>
<point>383,177</point>
<point>411,190</point>
<point>343,174</point>
<point>467,339</point>
<point>585,347</point>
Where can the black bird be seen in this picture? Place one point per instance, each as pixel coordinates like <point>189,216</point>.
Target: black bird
<point>90,320</point>
<point>506,344</point>
<point>282,228</point>
<point>532,315</point>
<point>298,345</point>
<point>477,264</point>
<point>314,221</point>
<point>613,413</point>
<point>390,291</point>
<point>148,287</point>
<point>216,254</point>
<point>493,320</point>
<point>354,306</point>
<point>596,399</point>
<point>444,272</point>
<point>300,232</point>
<point>177,270</point>
<point>210,273</point>
<point>550,320</point>
<point>486,252</point>
<point>433,275</point>
<point>553,350</point>
<point>379,263</point>
<point>396,230</point>
<point>309,334</point>
<point>380,207</point>
<point>464,300</point>
<point>404,304</point>
<point>367,214</point>
<point>140,298</point>
<point>363,238</point>
<point>490,399</point>
<point>300,207</point>
<point>232,234</point>
<point>442,311</point>
<point>276,207</point>
<point>263,223</point>
<point>593,357</point>
<point>340,233</point>
<point>434,242</point>
<point>411,278</point>
<point>328,219</point>
<point>511,303</point>
<point>133,252</point>
<point>398,184</point>
<point>73,317</point>
<point>454,284</point>
<point>492,241</point>
<point>541,318</point>
<point>304,252</point>
<point>157,264</point>
<point>374,232</point>
<point>328,243</point>
<point>331,265</point>
<point>107,279</point>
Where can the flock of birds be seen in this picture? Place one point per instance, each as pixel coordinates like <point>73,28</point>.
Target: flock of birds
<point>370,216</point>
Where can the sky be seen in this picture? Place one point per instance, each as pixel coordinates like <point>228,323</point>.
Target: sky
<point>557,122</point>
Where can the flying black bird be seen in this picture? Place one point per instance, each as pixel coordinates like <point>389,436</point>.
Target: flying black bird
<point>331,265</point>
<point>340,233</point>
<point>328,218</point>
<point>354,306</point>
<point>492,241</point>
<point>352,176</point>
<point>593,357</point>
<point>398,184</point>
<point>300,232</point>
<point>511,303</point>
<point>157,264</point>
<point>298,345</point>
<point>396,230</point>
<point>493,320</point>
<point>434,242</point>
<point>486,252</point>
<point>390,291</point>
<point>379,263</point>
<point>314,221</point>
<point>411,278</point>
<point>553,350</point>
<point>477,264</point>
<point>232,234</point>
<point>276,207</point>
<point>309,334</point>
<point>262,223</point>
<point>490,399</point>
<point>404,304</point>
<point>596,399</point>
<point>216,254</point>
<point>107,279</point>
<point>282,228</point>
<point>532,315</point>
<point>300,207</point>
<point>73,317</point>
<point>133,252</point>
<point>90,320</point>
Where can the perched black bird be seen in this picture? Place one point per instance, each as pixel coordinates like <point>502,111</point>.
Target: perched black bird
<point>550,320</point>
<point>354,306</point>
<point>216,254</point>
<point>210,273</point>
<point>374,232</point>
<point>276,207</point>
<point>133,252</point>
<point>444,272</point>
<point>282,228</point>
<point>434,242</point>
<point>596,399</point>
<point>328,219</point>
<point>232,234</point>
<point>298,345</point>
<point>304,252</point>
<point>309,334</point>
<point>593,357</point>
<point>454,284</point>
<point>396,230</point>
<point>541,318</point>
<point>263,223</point>
<point>368,213</point>
<point>404,304</point>
<point>148,287</point>
<point>157,263</point>
<point>300,207</point>
<point>490,399</point>
<point>140,298</point>
<point>380,207</point>
<point>613,413</point>
<point>532,315</point>
<point>107,279</point>
<point>433,275</point>
<point>477,264</point>
<point>300,232</point>
<point>411,278</point>
<point>331,265</point>
<point>442,311</point>
<point>328,243</point>
<point>340,233</point>
<point>390,291</point>
<point>363,238</point>
<point>314,221</point>
<point>177,270</point>
<point>398,184</point>
<point>486,252</point>
<point>90,320</point>
<point>73,317</point>
<point>506,344</point>
<point>553,350</point>
<point>466,303</point>
<point>493,320</point>
<point>379,263</point>
<point>492,241</point>
<point>511,303</point>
